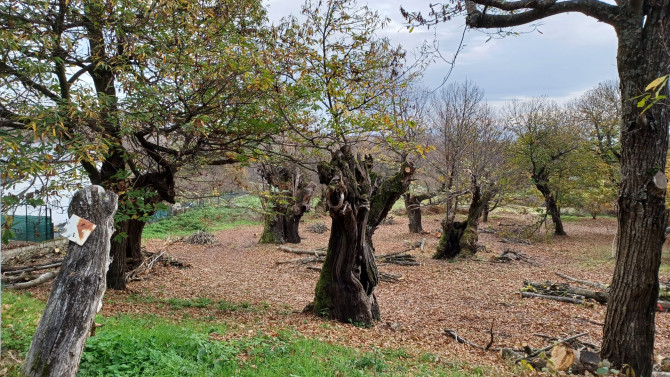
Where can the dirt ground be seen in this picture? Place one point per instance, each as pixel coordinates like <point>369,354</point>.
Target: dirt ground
<point>467,296</point>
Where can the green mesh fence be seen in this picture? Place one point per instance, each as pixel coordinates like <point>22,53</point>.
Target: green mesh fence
<point>32,228</point>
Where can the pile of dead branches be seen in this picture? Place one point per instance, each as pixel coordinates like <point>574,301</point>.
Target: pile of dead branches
<point>562,354</point>
<point>201,238</point>
<point>145,267</point>
<point>402,258</point>
<point>318,228</point>
<point>567,354</point>
<point>510,255</point>
<point>564,292</point>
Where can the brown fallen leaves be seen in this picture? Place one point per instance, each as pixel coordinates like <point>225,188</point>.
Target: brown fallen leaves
<point>466,295</point>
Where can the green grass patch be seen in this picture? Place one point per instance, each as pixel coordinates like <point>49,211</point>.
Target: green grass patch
<point>599,256</point>
<point>20,315</point>
<point>244,210</point>
<point>150,346</point>
<point>153,346</point>
<point>198,302</point>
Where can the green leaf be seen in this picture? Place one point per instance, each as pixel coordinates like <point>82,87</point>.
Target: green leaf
<point>602,371</point>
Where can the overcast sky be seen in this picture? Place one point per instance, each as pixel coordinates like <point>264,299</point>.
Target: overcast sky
<point>572,54</point>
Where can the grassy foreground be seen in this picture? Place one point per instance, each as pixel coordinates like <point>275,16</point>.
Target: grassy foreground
<point>155,346</point>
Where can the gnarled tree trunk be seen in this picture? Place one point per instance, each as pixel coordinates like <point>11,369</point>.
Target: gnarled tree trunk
<point>460,237</point>
<point>288,204</point>
<point>76,294</point>
<point>345,290</point>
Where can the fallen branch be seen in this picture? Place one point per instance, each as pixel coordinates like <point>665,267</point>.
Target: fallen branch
<point>574,295</point>
<point>559,341</point>
<point>286,249</point>
<point>462,340</point>
<point>23,277</point>
<point>45,277</point>
<point>13,270</point>
<point>603,287</point>
<point>144,267</point>
<point>563,289</point>
<point>513,255</point>
<point>570,300</point>
<point>400,259</point>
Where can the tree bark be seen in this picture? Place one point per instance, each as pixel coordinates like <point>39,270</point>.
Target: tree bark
<point>116,275</point>
<point>134,246</point>
<point>550,203</point>
<point>413,208</point>
<point>283,219</point>
<point>628,334</point>
<point>76,294</point>
<point>460,238</point>
<point>643,33</point>
<point>345,290</point>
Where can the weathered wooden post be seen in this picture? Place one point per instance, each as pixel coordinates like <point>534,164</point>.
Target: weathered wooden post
<point>76,293</point>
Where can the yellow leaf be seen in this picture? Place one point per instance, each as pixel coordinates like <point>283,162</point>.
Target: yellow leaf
<point>654,84</point>
<point>411,29</point>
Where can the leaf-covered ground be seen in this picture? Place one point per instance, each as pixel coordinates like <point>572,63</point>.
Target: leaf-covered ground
<point>468,296</point>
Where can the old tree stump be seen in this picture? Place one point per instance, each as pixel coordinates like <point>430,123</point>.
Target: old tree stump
<point>76,293</point>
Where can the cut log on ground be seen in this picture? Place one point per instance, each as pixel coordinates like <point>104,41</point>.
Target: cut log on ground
<point>564,289</point>
<point>76,294</point>
<point>45,277</point>
<point>316,252</point>
<point>570,300</point>
<point>23,277</point>
<point>562,357</point>
<point>574,295</point>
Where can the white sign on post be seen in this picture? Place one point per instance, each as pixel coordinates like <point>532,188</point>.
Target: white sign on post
<point>77,230</point>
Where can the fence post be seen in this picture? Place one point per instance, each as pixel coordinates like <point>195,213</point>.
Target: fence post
<point>76,293</point>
